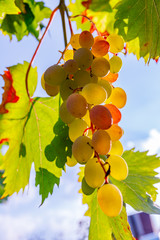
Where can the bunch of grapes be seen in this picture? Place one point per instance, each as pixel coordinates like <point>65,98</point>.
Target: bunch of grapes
<point>90,108</point>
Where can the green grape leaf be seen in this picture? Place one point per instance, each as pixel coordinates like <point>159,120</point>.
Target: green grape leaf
<point>46,181</point>
<point>140,19</point>
<point>8,7</point>
<point>139,189</point>
<point>29,20</point>
<point>34,132</point>
<point>102,226</point>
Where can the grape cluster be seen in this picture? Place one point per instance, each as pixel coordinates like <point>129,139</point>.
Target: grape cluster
<point>91,110</point>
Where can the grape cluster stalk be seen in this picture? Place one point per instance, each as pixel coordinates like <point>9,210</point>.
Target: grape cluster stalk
<point>91,109</point>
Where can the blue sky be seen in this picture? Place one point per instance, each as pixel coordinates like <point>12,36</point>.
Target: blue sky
<point>58,218</point>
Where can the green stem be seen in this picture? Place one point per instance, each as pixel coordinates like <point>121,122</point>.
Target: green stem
<point>62,12</point>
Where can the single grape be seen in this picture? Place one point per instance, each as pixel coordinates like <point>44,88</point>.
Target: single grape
<point>71,162</point>
<point>94,173</point>
<point>116,114</point>
<point>101,142</point>
<point>52,90</point>
<point>68,55</point>
<point>97,38</point>
<point>111,77</point>
<point>118,97</point>
<point>115,132</point>
<point>82,78</point>
<point>116,43</point>
<point>94,93</point>
<point>83,57</point>
<point>82,149</point>
<point>100,66</point>
<point>100,48</point>
<point>86,189</point>
<point>77,105</point>
<point>54,75</point>
<point>118,167</point>
<point>70,66</point>
<point>115,64</point>
<point>67,88</point>
<point>110,200</point>
<point>94,78</point>
<point>64,114</point>
<point>86,39</point>
<point>101,117</point>
<point>76,129</point>
<point>116,149</point>
<point>74,41</point>
<point>106,85</point>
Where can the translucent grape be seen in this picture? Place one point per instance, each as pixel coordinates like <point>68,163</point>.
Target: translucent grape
<point>97,38</point>
<point>115,132</point>
<point>83,57</point>
<point>94,173</point>
<point>71,162</point>
<point>86,118</point>
<point>111,77</point>
<point>115,64</point>
<point>82,77</point>
<point>74,41</point>
<point>82,149</point>
<point>100,48</point>
<point>101,142</point>
<point>86,39</point>
<point>110,200</point>
<point>86,189</point>
<point>94,78</point>
<point>68,55</point>
<point>116,43</point>
<point>54,75</point>
<point>77,105</point>
<point>52,90</point>
<point>76,129</point>
<point>42,81</point>
<point>101,117</point>
<point>118,97</point>
<point>94,93</point>
<point>70,66</point>
<point>118,167</point>
<point>116,114</point>
<point>106,85</point>
<point>116,149</point>
<point>65,116</point>
<point>100,67</point>
<point>67,88</point>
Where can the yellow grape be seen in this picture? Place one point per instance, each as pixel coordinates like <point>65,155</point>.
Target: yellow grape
<point>86,189</point>
<point>65,115</point>
<point>94,93</point>
<point>116,149</point>
<point>54,75</point>
<point>106,85</point>
<point>86,39</point>
<point>115,64</point>
<point>110,200</point>
<point>101,117</point>
<point>101,142</point>
<point>100,66</point>
<point>82,149</point>
<point>71,162</point>
<point>42,81</point>
<point>76,129</point>
<point>83,57</point>
<point>100,48</point>
<point>118,97</point>
<point>94,173</point>
<point>77,105</point>
<point>94,78</point>
<point>52,90</point>
<point>81,78</point>
<point>68,55</point>
<point>86,118</point>
<point>70,66</point>
<point>118,167</point>
<point>106,57</point>
<point>67,88</point>
<point>116,43</point>
<point>115,132</point>
<point>74,41</point>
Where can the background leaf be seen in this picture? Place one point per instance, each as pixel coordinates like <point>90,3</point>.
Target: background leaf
<point>8,7</point>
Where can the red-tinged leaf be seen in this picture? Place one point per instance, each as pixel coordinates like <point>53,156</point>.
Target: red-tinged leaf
<point>9,95</point>
<point>86,3</point>
<point>84,19</point>
<point>4,140</point>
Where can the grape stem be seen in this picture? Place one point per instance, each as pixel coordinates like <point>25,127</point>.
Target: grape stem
<point>102,165</point>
